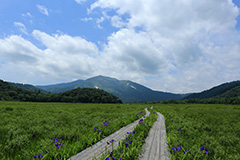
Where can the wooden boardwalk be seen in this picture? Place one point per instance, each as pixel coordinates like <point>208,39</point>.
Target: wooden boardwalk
<point>155,147</point>
<point>95,151</point>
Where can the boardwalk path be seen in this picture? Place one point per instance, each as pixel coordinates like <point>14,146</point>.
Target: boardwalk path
<point>97,149</point>
<point>155,147</point>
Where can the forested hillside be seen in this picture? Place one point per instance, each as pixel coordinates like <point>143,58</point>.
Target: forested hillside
<point>9,92</point>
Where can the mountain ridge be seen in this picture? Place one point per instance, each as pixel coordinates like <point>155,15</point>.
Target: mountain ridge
<point>126,90</point>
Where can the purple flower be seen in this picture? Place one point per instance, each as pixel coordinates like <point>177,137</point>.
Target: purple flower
<point>202,148</point>
<point>179,148</point>
<point>100,131</point>
<point>179,129</point>
<point>113,158</point>
<point>95,128</point>
<point>173,148</point>
<point>40,156</point>
<point>108,158</point>
<point>130,142</point>
<point>112,141</point>
<point>126,144</point>
<point>35,156</point>
<point>120,159</point>
<point>126,137</point>
<point>55,141</point>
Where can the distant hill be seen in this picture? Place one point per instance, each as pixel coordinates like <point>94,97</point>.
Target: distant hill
<point>227,90</point>
<point>28,87</point>
<point>234,92</point>
<point>127,91</point>
<point>9,92</point>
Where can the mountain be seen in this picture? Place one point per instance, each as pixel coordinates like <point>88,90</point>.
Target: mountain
<point>10,92</point>
<point>127,91</point>
<point>28,87</point>
<point>229,90</point>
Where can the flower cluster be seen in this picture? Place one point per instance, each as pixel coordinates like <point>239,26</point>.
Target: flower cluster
<point>105,124</point>
<point>178,148</point>
<point>58,144</point>
<point>139,113</point>
<point>206,150</point>
<point>111,141</point>
<point>127,143</point>
<point>179,129</point>
<point>39,156</point>
<point>140,121</point>
<point>111,157</point>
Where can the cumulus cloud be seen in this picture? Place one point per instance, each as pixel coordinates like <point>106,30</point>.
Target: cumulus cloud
<point>188,39</point>
<point>43,9</point>
<point>64,58</point>
<point>21,27</point>
<point>176,46</point>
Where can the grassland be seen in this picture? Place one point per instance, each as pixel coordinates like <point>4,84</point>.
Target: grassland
<point>201,131</point>
<point>194,131</point>
<point>58,130</point>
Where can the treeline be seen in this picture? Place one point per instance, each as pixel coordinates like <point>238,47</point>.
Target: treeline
<point>79,95</point>
<point>225,100</point>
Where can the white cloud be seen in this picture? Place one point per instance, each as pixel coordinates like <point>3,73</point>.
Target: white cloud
<point>21,27</point>
<point>43,9</point>
<point>86,19</point>
<point>183,34</point>
<point>80,1</point>
<point>117,22</point>
<point>27,15</point>
<point>176,46</point>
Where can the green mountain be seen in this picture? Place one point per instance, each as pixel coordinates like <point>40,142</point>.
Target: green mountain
<point>127,91</point>
<point>10,92</point>
<point>227,90</point>
<point>28,87</point>
<point>234,92</point>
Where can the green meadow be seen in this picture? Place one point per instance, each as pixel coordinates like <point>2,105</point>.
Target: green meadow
<point>201,131</point>
<point>60,130</point>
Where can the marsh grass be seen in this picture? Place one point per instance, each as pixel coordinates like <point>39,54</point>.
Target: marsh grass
<point>29,130</point>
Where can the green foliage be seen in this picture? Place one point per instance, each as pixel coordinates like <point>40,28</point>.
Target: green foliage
<point>214,128</point>
<point>30,129</point>
<point>84,95</point>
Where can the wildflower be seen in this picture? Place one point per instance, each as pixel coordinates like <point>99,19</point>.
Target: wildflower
<point>100,131</point>
<point>126,137</point>
<point>112,141</point>
<point>202,148</point>
<point>120,159</point>
<point>154,113</point>
<point>186,150</point>
<point>108,158</point>
<point>179,148</point>
<point>133,132</point>
<point>173,148</point>
<point>126,144</point>
<point>179,129</point>
<point>95,128</point>
<point>39,156</point>
<point>130,142</point>
<point>167,129</point>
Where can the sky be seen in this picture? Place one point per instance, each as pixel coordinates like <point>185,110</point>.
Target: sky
<point>167,45</point>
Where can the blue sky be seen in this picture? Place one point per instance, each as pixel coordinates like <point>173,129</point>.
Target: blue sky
<point>179,47</point>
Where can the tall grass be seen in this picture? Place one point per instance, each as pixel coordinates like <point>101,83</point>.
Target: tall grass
<point>201,131</point>
<point>57,130</point>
